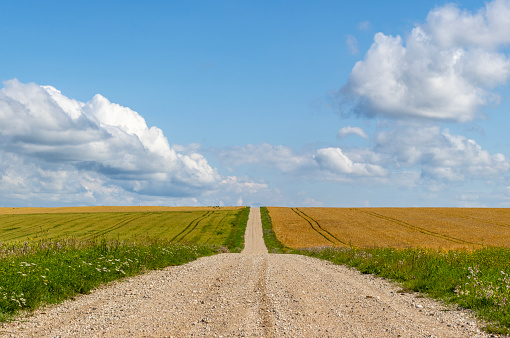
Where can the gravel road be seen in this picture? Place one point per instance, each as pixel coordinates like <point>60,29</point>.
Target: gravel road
<point>249,294</point>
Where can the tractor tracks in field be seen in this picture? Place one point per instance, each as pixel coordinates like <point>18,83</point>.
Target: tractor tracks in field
<point>419,229</point>
<point>108,230</point>
<point>318,228</point>
<point>190,227</point>
<point>485,221</point>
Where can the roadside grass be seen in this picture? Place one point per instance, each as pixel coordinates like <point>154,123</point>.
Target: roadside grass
<point>478,280</point>
<point>43,272</point>
<point>472,279</point>
<point>235,240</point>
<point>272,243</point>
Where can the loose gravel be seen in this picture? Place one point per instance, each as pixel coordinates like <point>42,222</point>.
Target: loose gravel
<point>249,294</point>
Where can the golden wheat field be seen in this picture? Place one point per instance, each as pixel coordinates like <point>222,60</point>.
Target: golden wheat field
<point>438,228</point>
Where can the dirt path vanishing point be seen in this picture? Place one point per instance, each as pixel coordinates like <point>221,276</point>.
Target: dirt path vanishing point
<point>249,294</point>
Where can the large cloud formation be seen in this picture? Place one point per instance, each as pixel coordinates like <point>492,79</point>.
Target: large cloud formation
<point>446,69</point>
<point>434,155</point>
<point>51,144</point>
<point>438,154</point>
<point>427,153</point>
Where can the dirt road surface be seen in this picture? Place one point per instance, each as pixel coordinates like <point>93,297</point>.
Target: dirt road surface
<point>249,294</point>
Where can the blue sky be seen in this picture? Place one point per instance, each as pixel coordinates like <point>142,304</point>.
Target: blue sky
<point>288,103</point>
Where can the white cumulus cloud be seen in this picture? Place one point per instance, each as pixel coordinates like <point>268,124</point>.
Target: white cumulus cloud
<point>445,69</point>
<point>438,154</point>
<point>54,142</point>
<point>336,162</point>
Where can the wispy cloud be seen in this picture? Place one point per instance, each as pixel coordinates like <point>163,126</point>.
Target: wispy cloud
<point>401,154</point>
<point>364,26</point>
<point>345,131</point>
<point>352,44</point>
<point>265,155</point>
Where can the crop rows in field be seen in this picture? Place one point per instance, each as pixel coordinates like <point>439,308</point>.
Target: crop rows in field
<point>192,225</point>
<point>445,228</point>
<point>318,228</point>
<point>61,210</point>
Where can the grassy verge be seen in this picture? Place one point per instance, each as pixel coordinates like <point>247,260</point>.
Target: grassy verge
<point>46,272</point>
<point>235,241</point>
<point>477,280</point>
<point>272,243</point>
<point>107,246</point>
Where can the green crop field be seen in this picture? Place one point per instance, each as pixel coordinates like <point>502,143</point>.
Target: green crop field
<point>194,226</point>
<point>48,255</point>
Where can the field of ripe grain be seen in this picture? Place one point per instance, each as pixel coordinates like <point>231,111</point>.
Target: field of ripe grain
<point>438,228</point>
<point>210,225</point>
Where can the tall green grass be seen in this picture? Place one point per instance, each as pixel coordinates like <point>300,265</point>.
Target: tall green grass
<point>49,270</point>
<point>235,240</point>
<point>477,280</point>
<point>46,272</point>
<point>272,243</point>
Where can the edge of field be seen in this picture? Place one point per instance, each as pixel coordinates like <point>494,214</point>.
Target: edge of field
<point>272,243</point>
<point>390,264</point>
<point>32,274</point>
<point>56,210</point>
